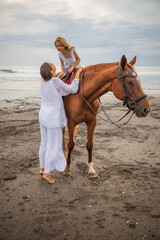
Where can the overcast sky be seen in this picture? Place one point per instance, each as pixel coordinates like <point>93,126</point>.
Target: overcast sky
<point>101,30</point>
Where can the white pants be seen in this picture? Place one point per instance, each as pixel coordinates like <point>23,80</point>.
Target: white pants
<point>51,154</point>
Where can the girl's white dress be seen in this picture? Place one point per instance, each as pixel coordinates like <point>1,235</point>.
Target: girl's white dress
<point>52,119</point>
<point>68,62</point>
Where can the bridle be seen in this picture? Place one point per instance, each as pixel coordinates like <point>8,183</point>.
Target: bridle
<point>131,106</point>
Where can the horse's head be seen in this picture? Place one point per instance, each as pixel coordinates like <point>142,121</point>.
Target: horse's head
<point>127,87</point>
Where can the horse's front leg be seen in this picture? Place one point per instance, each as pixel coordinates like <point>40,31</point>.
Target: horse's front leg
<point>71,127</point>
<point>90,130</point>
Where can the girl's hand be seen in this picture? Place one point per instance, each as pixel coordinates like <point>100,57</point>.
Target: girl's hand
<point>70,70</point>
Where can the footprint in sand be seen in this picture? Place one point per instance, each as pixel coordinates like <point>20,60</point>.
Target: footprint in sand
<point>9,178</point>
<point>82,167</point>
<point>100,219</point>
<point>129,207</point>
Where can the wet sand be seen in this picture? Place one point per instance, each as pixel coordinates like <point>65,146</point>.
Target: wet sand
<point>123,203</point>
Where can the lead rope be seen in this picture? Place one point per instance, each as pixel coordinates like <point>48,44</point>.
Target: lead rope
<point>109,120</point>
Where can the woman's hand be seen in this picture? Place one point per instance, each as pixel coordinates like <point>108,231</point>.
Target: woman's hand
<point>60,75</point>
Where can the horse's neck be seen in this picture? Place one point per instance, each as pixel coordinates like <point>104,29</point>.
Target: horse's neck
<point>96,83</point>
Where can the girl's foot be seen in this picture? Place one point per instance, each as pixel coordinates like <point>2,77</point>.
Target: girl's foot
<point>41,171</point>
<point>48,177</point>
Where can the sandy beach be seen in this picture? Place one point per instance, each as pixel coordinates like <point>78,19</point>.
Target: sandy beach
<point>123,203</point>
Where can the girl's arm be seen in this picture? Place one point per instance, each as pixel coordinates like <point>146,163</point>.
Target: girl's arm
<point>76,63</point>
<point>64,89</point>
<point>62,65</point>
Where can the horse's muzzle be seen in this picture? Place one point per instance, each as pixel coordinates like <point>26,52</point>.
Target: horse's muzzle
<point>141,112</point>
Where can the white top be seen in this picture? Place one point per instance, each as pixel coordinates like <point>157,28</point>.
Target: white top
<point>68,62</point>
<point>52,113</point>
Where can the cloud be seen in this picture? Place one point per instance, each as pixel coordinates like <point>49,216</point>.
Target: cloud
<point>27,27</point>
<point>101,31</point>
<point>21,20</point>
<point>92,10</point>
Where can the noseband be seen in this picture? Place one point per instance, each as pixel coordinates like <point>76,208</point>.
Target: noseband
<point>132,104</point>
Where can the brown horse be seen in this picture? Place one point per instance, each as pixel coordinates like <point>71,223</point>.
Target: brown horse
<point>119,78</point>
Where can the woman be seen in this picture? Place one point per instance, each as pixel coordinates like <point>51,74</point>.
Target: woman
<point>52,119</point>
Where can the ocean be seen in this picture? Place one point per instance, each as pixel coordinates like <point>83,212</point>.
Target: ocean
<point>24,81</point>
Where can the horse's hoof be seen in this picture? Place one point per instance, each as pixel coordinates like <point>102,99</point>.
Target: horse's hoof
<point>67,173</point>
<point>92,175</point>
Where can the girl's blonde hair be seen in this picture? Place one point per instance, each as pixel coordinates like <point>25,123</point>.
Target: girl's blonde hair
<point>63,41</point>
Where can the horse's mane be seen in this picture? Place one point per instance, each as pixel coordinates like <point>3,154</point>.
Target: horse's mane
<point>101,66</point>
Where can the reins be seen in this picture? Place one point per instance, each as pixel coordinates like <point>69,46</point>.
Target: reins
<point>131,106</point>
<point>115,123</point>
<point>108,121</point>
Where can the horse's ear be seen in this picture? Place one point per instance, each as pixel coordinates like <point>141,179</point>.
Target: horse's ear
<point>123,62</point>
<point>132,62</point>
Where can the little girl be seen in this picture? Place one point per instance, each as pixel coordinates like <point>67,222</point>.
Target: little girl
<point>52,119</point>
<point>68,57</point>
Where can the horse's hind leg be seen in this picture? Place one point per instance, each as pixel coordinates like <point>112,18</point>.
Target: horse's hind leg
<point>64,143</point>
<point>90,130</point>
<point>71,128</point>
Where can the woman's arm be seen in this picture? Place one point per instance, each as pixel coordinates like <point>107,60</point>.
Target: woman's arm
<point>64,89</point>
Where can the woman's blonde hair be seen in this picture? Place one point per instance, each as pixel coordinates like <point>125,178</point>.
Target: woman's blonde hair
<point>45,71</point>
<point>63,41</point>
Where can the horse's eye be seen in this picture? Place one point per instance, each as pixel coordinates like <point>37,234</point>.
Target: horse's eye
<point>130,83</point>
